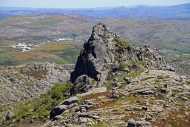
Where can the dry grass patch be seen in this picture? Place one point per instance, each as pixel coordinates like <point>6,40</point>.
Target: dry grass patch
<point>175,119</point>
<point>53,47</point>
<point>19,56</point>
<point>106,102</point>
<point>96,95</point>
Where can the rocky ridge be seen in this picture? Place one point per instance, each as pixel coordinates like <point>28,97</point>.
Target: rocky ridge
<point>116,84</point>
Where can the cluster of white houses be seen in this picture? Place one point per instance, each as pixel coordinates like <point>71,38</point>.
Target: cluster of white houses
<point>64,39</point>
<point>24,47</point>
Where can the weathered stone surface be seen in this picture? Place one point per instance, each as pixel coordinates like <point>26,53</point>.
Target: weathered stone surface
<point>31,121</point>
<point>57,111</point>
<point>57,117</point>
<point>101,51</point>
<point>145,92</point>
<point>133,123</point>
<point>93,91</point>
<point>70,100</point>
<point>67,104</point>
<point>31,80</point>
<point>9,115</point>
<point>96,55</point>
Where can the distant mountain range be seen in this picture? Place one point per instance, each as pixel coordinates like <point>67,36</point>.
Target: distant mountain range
<point>141,12</point>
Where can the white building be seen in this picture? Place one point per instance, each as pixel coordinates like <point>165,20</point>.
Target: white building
<point>19,45</point>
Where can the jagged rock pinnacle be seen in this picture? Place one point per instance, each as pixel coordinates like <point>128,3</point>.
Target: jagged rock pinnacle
<point>96,54</point>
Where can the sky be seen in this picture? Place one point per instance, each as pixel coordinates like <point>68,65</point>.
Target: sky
<point>86,3</point>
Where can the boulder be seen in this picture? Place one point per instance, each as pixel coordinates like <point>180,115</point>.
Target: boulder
<point>57,110</point>
<point>145,92</point>
<point>10,115</point>
<point>133,123</point>
<point>31,121</point>
<point>70,100</point>
<point>57,117</point>
<point>67,104</point>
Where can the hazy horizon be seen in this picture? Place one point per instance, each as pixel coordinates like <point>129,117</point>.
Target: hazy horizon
<point>86,3</point>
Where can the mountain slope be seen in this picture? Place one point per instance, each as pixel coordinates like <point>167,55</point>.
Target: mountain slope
<point>136,90</point>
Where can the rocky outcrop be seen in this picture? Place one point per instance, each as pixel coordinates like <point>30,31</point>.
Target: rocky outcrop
<point>104,50</point>
<point>96,54</point>
<point>63,106</point>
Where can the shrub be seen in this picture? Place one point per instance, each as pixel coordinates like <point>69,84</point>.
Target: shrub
<point>22,113</point>
<point>142,62</point>
<point>56,92</point>
<point>43,114</point>
<point>122,65</point>
<point>41,107</point>
<point>134,64</point>
<point>37,104</point>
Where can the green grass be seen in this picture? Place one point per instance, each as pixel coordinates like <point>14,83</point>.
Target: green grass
<point>122,65</point>
<point>133,74</point>
<point>122,42</point>
<point>70,55</point>
<point>100,124</point>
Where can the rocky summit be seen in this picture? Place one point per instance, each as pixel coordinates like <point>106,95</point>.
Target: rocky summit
<point>116,84</point>
<point>103,50</point>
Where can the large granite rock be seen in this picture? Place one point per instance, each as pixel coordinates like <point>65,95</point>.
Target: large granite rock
<point>9,115</point>
<point>133,123</point>
<point>96,53</point>
<point>103,49</point>
<point>63,106</point>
